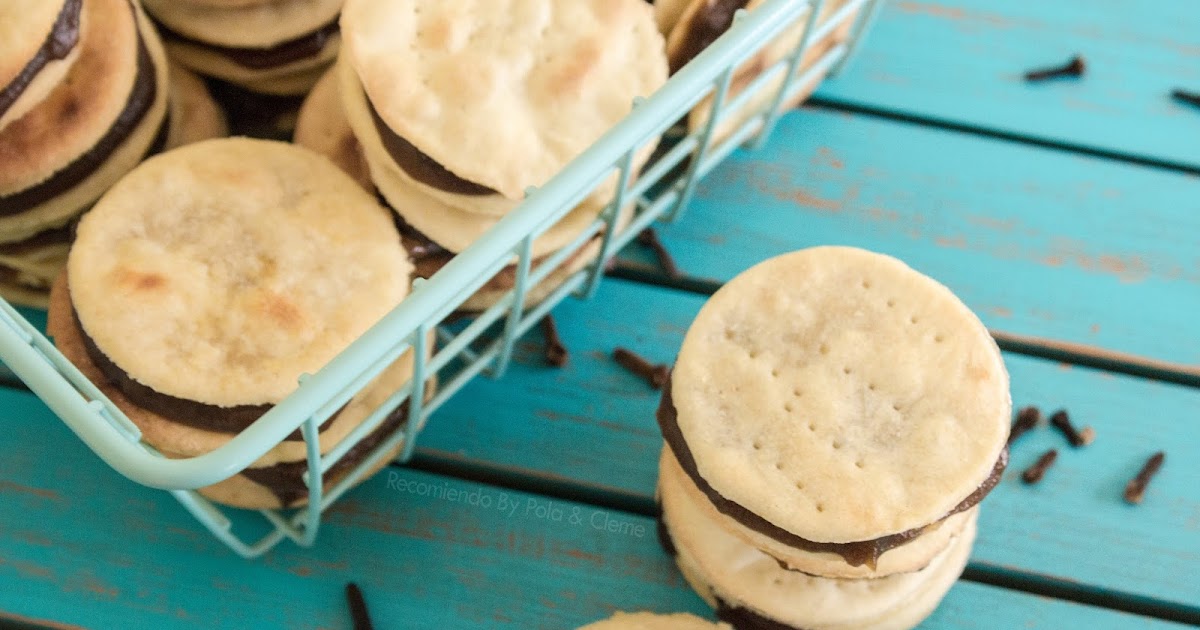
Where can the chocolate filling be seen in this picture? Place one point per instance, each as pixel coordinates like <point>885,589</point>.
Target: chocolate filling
<point>421,167</point>
<point>419,246</point>
<point>281,54</point>
<point>186,412</point>
<point>286,481</point>
<point>64,34</point>
<point>709,23</point>
<point>55,236</point>
<point>664,535</point>
<point>141,97</point>
<point>855,553</point>
<point>746,619</point>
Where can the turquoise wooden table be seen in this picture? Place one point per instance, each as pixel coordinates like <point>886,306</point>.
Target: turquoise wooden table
<point>1066,214</point>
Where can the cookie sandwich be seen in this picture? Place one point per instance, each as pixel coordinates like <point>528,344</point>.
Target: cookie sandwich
<point>270,46</point>
<point>194,115</point>
<point>39,41</point>
<point>258,262</point>
<point>698,23</point>
<point>103,116</point>
<point>472,102</point>
<point>749,589</point>
<point>839,412</point>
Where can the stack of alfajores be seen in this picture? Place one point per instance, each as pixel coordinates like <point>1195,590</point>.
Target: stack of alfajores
<point>84,97</point>
<point>832,422</point>
<point>452,109</point>
<point>270,46</point>
<point>209,280</point>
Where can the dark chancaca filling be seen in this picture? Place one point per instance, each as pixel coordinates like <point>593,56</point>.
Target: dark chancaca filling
<point>421,167</point>
<point>855,553</point>
<point>281,54</point>
<point>64,34</point>
<point>286,481</point>
<point>141,97</point>
<point>186,412</point>
<point>709,23</point>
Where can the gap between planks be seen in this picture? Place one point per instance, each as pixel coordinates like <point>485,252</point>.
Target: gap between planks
<point>1038,347</point>
<point>836,105</point>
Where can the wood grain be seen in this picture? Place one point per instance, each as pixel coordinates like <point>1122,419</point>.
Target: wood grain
<point>80,546</point>
<point>960,62</point>
<point>1038,242</point>
<point>594,422</point>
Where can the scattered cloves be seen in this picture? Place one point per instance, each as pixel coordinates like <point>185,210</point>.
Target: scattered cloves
<point>1135,490</point>
<point>1073,68</point>
<point>1034,473</point>
<point>1184,96</point>
<point>1027,419</point>
<point>358,607</point>
<point>1077,438</point>
<point>649,238</point>
<point>556,352</point>
<point>654,374</point>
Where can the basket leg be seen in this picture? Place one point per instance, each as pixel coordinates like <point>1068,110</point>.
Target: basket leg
<point>416,393</point>
<point>793,65</point>
<point>511,327</point>
<point>693,172</point>
<point>856,34</point>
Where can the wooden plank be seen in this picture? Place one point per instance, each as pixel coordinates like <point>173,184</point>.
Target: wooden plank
<point>1078,250</point>
<point>961,62</point>
<point>592,422</point>
<point>80,546</point>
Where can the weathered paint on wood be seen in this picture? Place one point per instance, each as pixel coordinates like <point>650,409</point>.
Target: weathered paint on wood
<point>80,546</point>
<point>1040,243</point>
<point>961,62</point>
<point>593,423</point>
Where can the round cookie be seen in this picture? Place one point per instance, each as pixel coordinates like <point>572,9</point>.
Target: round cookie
<point>737,578</point>
<point>292,263</point>
<point>448,226</point>
<point>180,440</point>
<point>194,114</point>
<point>442,74</point>
<point>909,557</point>
<point>251,25</point>
<point>87,133</point>
<point>653,621</point>
<point>839,396</point>
<point>39,41</point>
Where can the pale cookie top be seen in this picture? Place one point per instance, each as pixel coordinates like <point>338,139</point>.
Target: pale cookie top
<point>503,93</point>
<point>81,109</point>
<point>24,27</point>
<point>222,271</point>
<point>249,25</point>
<point>744,576</point>
<point>841,395</point>
<point>652,621</point>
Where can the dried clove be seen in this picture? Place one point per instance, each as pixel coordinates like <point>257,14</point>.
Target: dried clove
<point>654,374</point>
<point>556,352</point>
<point>358,607</point>
<point>649,238</point>
<point>1034,473</point>
<point>1073,68</point>
<point>1184,96</point>
<point>1135,490</point>
<point>1027,419</point>
<point>1061,421</point>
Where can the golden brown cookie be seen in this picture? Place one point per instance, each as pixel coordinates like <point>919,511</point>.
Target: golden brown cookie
<point>194,114</point>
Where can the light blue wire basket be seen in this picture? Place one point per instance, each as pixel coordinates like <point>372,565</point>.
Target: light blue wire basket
<point>485,345</point>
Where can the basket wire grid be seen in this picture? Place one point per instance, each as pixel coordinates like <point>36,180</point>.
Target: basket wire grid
<point>485,344</point>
